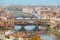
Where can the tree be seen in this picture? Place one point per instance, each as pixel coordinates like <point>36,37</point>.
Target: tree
<point>35,38</point>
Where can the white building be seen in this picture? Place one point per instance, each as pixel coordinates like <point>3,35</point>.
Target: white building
<point>27,10</point>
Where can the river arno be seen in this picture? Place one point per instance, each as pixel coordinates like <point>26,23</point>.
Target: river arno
<point>43,36</point>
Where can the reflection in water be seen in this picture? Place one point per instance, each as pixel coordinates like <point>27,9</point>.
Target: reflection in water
<point>46,37</point>
<point>29,28</point>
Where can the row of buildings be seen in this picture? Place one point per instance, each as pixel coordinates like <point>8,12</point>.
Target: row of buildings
<point>6,18</point>
<point>41,12</point>
<point>11,35</point>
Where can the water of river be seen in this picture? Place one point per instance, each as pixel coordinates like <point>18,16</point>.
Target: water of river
<point>43,36</point>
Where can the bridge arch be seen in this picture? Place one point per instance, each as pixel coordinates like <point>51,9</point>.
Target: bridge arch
<point>29,27</point>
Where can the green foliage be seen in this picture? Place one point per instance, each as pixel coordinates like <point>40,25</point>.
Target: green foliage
<point>3,28</point>
<point>52,30</point>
